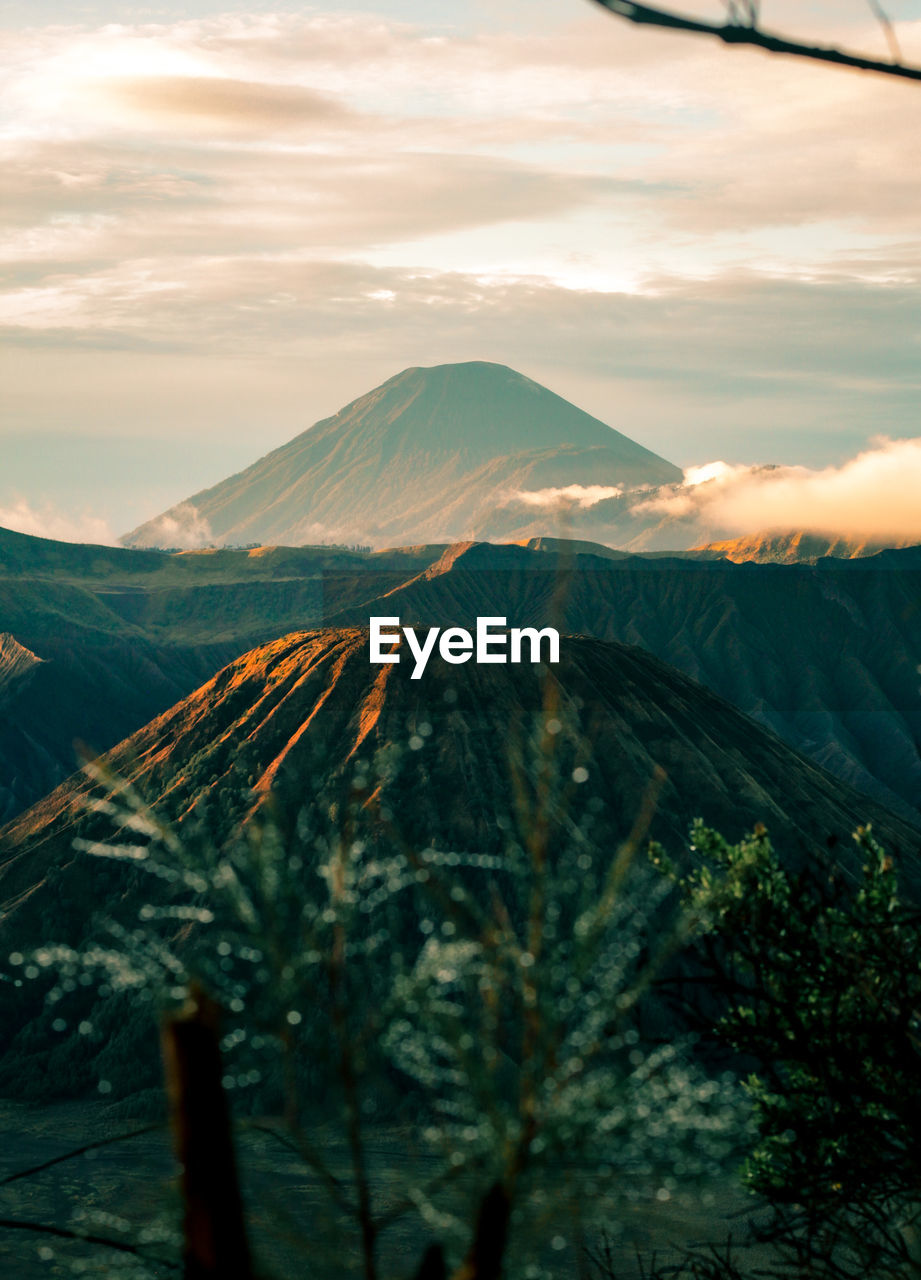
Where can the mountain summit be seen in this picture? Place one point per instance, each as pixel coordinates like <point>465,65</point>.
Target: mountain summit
<point>433,454</point>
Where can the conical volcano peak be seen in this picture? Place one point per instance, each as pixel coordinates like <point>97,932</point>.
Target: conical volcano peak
<point>476,407</point>
<point>435,454</point>
<point>466,381</point>
<point>463,372</point>
<point>470,369</point>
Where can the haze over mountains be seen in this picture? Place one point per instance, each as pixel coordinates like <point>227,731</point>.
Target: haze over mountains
<point>471,450</point>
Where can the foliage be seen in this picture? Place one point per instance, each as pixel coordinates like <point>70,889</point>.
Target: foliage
<point>488,1003</point>
<point>821,971</point>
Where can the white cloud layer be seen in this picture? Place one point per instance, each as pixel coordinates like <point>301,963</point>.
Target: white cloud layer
<point>873,497</point>
<point>48,521</point>
<point>139,158</point>
<point>581,496</point>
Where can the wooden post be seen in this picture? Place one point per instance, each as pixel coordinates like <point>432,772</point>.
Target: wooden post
<point>432,1266</point>
<point>214,1235</point>
<point>484,1260</point>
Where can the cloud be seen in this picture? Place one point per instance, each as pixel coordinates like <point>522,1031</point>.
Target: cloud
<point>581,496</point>
<point>83,213</point>
<point>49,522</point>
<point>696,135</point>
<point>872,497</point>
<point>708,471</point>
<point>253,105</point>
<point>181,527</point>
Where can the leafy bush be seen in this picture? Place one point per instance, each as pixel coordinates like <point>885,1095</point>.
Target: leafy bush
<point>819,970</point>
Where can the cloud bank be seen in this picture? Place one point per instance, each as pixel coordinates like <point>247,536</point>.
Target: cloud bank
<point>48,522</point>
<point>582,496</point>
<point>873,497</point>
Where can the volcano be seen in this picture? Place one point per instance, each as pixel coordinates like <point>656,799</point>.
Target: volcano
<point>303,737</point>
<point>431,455</point>
<point>288,726</point>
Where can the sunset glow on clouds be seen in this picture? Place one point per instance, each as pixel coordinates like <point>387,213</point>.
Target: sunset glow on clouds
<point>873,496</point>
<point>234,222</point>
<point>574,495</point>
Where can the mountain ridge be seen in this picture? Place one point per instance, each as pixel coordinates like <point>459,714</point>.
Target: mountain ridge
<point>124,637</point>
<point>793,547</point>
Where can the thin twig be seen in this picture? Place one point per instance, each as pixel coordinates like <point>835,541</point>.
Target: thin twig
<point>79,1151</point>
<point>349,1076</point>
<point>299,1146</point>
<point>411,1203</point>
<point>738,34</point>
<point>885,22</point>
<point>65,1233</point>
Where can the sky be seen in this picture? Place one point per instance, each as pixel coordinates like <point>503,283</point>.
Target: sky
<point>222,222</point>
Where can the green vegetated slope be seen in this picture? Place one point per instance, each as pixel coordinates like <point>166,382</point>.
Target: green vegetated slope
<point>88,687</point>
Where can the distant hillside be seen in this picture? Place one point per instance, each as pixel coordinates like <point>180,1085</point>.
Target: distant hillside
<point>95,641</point>
<point>432,455</point>
<point>790,548</point>
<point>826,655</point>
<point>23,553</point>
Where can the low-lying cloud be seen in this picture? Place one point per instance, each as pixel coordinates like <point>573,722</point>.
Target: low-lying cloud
<point>181,528</point>
<point>582,496</point>
<point>872,497</point>
<point>48,522</point>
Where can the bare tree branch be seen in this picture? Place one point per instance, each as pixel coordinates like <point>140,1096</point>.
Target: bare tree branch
<point>84,1237</point>
<point>79,1151</point>
<point>888,29</point>
<point>743,32</point>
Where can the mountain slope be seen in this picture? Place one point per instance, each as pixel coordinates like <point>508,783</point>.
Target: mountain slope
<point>95,641</point>
<point>306,732</point>
<point>824,655</point>
<point>17,665</point>
<point>431,455</point>
<point>289,722</point>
